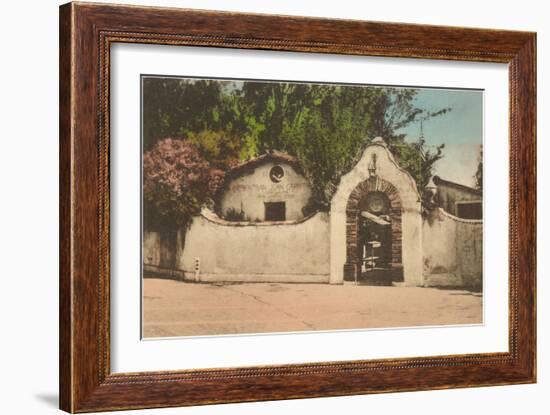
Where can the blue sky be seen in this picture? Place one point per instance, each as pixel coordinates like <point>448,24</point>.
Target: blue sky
<point>461,130</point>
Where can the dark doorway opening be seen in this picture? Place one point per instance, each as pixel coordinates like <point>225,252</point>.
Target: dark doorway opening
<point>373,234</point>
<point>469,210</point>
<point>375,249</point>
<point>275,211</point>
<point>375,239</point>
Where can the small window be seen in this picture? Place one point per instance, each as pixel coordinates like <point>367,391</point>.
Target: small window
<point>275,211</point>
<point>469,210</point>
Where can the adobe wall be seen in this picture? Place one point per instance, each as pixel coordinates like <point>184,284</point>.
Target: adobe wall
<point>151,248</point>
<point>291,251</point>
<point>453,251</point>
<point>440,250</point>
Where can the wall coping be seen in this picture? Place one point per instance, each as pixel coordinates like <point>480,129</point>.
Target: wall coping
<point>211,216</point>
<point>457,219</point>
<point>376,142</point>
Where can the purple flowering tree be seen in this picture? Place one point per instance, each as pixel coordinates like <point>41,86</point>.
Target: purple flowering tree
<point>177,182</point>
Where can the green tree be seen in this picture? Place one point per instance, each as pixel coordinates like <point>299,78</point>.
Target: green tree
<point>177,182</point>
<point>323,125</point>
<point>177,107</point>
<point>326,136</point>
<point>220,148</point>
<point>391,111</point>
<point>326,125</point>
<point>478,177</point>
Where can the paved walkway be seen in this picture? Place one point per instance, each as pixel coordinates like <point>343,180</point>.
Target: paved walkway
<point>173,308</point>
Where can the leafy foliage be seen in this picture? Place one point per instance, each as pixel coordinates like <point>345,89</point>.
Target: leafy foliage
<point>220,148</point>
<point>324,126</point>
<point>418,159</point>
<point>235,215</point>
<point>478,177</point>
<point>176,107</point>
<point>177,181</point>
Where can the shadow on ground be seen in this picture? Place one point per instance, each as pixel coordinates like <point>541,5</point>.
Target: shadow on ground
<point>50,399</point>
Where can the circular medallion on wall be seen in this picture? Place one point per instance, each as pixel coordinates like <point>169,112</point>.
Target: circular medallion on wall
<point>276,174</point>
<point>377,202</point>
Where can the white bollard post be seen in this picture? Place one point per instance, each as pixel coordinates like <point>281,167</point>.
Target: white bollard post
<point>197,269</point>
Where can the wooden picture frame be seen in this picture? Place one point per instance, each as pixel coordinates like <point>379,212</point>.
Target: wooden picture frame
<point>86,33</point>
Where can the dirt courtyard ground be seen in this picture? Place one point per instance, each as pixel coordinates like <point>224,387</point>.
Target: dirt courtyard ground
<point>174,308</point>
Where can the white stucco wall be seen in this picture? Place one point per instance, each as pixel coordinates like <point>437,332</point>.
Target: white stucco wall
<point>273,252</point>
<point>453,251</point>
<point>160,254</point>
<point>441,250</point>
<point>387,169</point>
<point>249,192</point>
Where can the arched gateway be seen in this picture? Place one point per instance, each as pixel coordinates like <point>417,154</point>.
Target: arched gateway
<point>379,198</point>
<point>376,200</point>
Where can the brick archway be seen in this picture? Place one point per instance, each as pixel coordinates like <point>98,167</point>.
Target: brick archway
<point>352,267</point>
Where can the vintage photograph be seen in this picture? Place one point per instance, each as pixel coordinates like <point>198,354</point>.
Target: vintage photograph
<point>289,206</point>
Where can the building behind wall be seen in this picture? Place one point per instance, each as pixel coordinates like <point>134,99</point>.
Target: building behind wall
<point>271,187</point>
<point>459,200</point>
